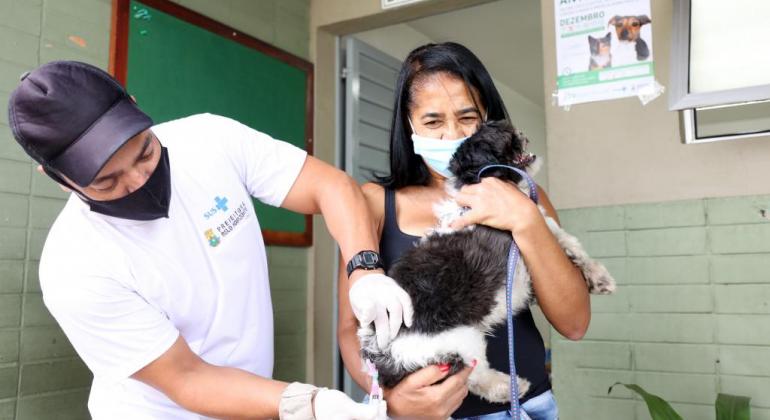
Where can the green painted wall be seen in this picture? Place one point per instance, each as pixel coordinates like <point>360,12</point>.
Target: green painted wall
<point>39,372</point>
<point>288,286</point>
<point>691,316</point>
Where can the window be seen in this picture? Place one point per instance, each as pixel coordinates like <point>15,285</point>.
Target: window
<point>720,69</point>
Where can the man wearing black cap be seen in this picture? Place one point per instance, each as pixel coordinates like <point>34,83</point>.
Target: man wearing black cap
<point>156,268</point>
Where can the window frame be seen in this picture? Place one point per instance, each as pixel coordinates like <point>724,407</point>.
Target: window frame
<point>681,99</point>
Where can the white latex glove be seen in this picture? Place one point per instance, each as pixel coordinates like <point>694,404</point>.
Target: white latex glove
<point>330,404</point>
<point>376,296</point>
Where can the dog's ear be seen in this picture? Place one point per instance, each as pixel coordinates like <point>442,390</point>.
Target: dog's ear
<point>510,141</point>
<point>615,19</point>
<point>608,37</point>
<point>644,19</point>
<point>495,142</point>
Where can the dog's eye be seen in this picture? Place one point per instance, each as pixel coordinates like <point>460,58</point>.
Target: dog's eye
<point>635,24</point>
<point>618,25</point>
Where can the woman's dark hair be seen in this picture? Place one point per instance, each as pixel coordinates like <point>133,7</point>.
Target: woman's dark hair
<point>407,168</point>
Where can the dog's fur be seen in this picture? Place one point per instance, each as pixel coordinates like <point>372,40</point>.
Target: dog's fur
<point>457,279</point>
<point>628,30</point>
<point>600,52</point>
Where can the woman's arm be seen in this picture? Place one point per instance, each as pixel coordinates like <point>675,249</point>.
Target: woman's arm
<point>558,285</point>
<point>347,324</point>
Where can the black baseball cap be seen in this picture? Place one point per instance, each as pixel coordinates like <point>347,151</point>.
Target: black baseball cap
<point>71,117</point>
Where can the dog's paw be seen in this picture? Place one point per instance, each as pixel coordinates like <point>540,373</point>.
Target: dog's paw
<point>523,386</point>
<point>598,279</point>
<point>500,392</point>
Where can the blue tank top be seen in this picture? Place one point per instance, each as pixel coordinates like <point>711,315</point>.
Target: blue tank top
<point>530,350</point>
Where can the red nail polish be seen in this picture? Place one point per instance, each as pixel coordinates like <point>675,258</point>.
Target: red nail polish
<point>444,367</point>
<point>474,363</point>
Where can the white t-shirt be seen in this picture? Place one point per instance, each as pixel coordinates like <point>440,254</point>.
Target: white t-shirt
<point>123,290</point>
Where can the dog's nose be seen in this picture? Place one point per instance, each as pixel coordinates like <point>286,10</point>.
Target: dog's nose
<point>624,34</point>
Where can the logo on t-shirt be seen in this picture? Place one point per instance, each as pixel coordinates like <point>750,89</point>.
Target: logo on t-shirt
<point>220,204</point>
<point>225,225</point>
<point>211,237</point>
<point>233,219</point>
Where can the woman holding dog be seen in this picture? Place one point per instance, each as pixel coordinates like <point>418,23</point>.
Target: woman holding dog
<point>443,94</point>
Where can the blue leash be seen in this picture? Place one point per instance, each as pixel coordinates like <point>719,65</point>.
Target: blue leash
<point>513,259</point>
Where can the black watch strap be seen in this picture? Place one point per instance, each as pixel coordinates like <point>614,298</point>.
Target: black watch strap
<point>367,260</point>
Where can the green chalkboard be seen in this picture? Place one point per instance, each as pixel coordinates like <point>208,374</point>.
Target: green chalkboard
<point>178,63</point>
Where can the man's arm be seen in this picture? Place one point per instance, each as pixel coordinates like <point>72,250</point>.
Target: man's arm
<point>230,393</point>
<point>322,188</point>
<point>210,390</point>
<point>374,297</point>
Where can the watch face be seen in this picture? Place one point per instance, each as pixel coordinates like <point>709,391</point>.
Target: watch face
<point>370,258</point>
<point>367,260</point>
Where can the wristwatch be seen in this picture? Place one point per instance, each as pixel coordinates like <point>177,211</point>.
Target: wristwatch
<point>368,260</point>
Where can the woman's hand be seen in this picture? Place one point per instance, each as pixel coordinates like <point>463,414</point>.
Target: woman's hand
<point>416,397</point>
<point>496,204</point>
<point>559,286</point>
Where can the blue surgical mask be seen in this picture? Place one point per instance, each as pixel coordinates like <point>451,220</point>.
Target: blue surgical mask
<point>435,152</point>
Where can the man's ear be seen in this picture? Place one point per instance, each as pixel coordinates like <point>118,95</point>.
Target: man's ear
<point>42,171</point>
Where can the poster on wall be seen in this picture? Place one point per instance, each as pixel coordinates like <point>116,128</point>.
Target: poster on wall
<point>603,50</point>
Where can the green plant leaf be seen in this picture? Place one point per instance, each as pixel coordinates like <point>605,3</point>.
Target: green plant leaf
<point>659,408</point>
<point>733,407</point>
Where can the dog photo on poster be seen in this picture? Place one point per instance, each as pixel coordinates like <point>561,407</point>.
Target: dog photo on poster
<point>604,50</point>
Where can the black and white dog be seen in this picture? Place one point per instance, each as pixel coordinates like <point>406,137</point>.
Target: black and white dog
<point>457,279</point>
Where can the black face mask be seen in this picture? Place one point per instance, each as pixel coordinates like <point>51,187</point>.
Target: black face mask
<point>149,202</point>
